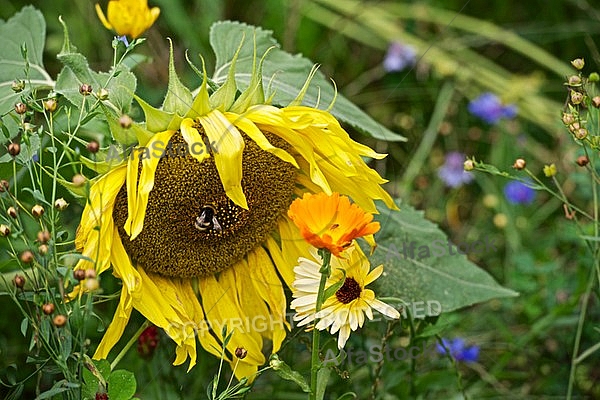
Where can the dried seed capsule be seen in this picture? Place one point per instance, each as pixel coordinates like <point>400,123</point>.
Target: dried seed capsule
<point>27,257</point>
<point>78,180</point>
<point>60,204</point>
<point>20,108</point>
<point>582,161</point>
<point>79,274</point>
<point>519,164</point>
<point>19,281</point>
<point>85,89</point>
<point>93,147</point>
<point>12,212</point>
<point>14,149</point>
<point>43,237</point>
<point>125,121</point>
<point>50,105</point>
<point>48,308</point>
<point>37,211</point>
<point>59,321</point>
<point>4,230</point>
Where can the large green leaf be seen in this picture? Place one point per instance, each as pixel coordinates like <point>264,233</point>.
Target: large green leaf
<point>434,271</point>
<point>25,30</point>
<point>285,74</point>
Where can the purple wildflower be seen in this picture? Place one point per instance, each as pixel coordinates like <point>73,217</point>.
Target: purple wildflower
<point>123,39</point>
<point>517,192</point>
<point>489,108</point>
<point>452,172</point>
<point>398,57</point>
<point>459,351</point>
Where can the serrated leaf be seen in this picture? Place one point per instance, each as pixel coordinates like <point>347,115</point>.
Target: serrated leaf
<point>121,385</point>
<point>445,276</point>
<point>26,28</point>
<point>285,75</point>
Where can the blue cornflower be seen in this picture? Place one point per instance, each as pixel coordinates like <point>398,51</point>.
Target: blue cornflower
<point>123,39</point>
<point>459,351</point>
<point>398,57</point>
<point>517,192</point>
<point>489,108</point>
<point>452,172</point>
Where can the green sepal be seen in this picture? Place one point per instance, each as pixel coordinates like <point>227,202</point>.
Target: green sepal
<point>136,133</point>
<point>156,120</point>
<point>99,166</point>
<point>224,97</point>
<point>254,93</point>
<point>178,98</point>
<point>201,104</point>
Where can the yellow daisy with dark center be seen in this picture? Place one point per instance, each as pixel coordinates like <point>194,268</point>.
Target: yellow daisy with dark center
<point>194,222</point>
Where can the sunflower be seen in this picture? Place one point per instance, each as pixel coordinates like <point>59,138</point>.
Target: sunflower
<point>194,221</point>
<point>345,310</point>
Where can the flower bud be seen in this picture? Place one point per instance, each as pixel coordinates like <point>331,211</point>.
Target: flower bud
<point>148,341</point>
<point>79,274</point>
<point>19,281</point>
<point>468,165</point>
<point>581,133</point>
<point>596,101</point>
<point>93,147</point>
<point>20,108</point>
<point>18,86</point>
<point>4,186</point>
<point>50,105</point>
<point>85,89</point>
<point>43,249</point>
<point>574,80</point>
<point>550,170</point>
<point>43,237</point>
<point>59,320</point>
<point>14,149</point>
<point>519,164</point>
<point>37,211</point>
<point>125,121</point>
<point>576,97</point>
<point>78,180</point>
<point>48,308</point>
<point>4,230</point>
<point>582,161</point>
<point>102,94</point>
<point>574,127</point>
<point>27,257</point>
<point>12,212</point>
<point>241,353</point>
<point>594,77</point>
<point>578,63</point>
<point>60,204</point>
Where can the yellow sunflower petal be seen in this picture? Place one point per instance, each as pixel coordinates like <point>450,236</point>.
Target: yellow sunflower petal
<point>102,17</point>
<point>115,329</point>
<point>193,139</point>
<point>146,183</point>
<point>228,145</point>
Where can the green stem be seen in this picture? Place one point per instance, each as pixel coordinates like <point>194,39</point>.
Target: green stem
<point>315,363</point>
<point>130,343</point>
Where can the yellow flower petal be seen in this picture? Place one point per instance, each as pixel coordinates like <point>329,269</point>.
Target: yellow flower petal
<point>228,145</point>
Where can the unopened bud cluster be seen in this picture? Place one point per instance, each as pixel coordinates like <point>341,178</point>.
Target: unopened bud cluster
<point>579,103</point>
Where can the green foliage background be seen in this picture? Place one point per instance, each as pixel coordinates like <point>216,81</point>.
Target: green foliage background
<point>525,342</point>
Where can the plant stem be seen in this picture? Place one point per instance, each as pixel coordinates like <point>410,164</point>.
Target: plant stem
<point>130,343</point>
<point>315,362</point>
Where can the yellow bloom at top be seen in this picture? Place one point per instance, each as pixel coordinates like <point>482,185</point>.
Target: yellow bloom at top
<point>128,17</point>
<point>331,222</point>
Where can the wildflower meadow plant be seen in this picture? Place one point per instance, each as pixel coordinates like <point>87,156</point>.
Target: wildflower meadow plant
<point>490,109</point>
<point>270,219</point>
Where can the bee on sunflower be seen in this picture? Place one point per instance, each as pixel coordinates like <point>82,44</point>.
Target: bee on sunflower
<point>201,239</point>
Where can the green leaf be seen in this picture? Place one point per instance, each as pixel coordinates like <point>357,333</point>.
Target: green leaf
<point>287,373</point>
<point>179,98</point>
<point>322,380</point>
<point>285,74</point>
<point>334,288</point>
<point>420,266</point>
<point>26,29</point>
<point>121,385</point>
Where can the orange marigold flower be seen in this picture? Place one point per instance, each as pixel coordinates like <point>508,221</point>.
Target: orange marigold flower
<point>331,222</point>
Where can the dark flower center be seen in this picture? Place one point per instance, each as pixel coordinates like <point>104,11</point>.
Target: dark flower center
<point>349,291</point>
<point>191,227</point>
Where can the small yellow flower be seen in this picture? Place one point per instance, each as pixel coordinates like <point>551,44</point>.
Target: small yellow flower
<point>345,310</point>
<point>331,222</point>
<point>550,170</point>
<point>128,17</point>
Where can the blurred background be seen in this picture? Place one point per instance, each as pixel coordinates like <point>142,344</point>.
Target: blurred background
<point>415,67</point>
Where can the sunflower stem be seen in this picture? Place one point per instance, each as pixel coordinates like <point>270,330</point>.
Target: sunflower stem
<point>130,343</point>
<point>315,362</point>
